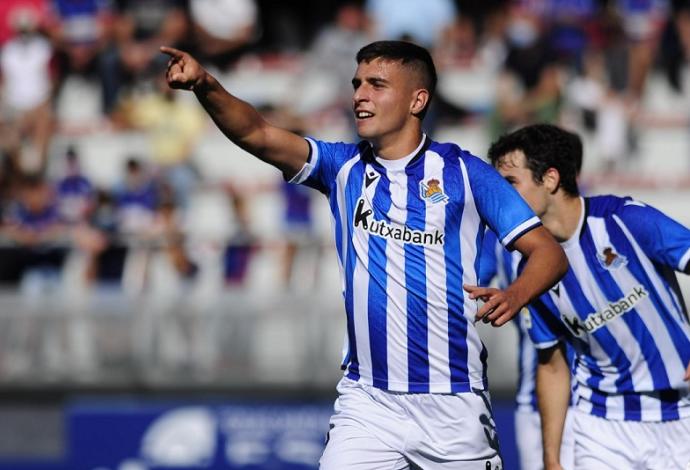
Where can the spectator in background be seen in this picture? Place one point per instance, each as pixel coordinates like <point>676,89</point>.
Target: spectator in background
<point>76,199</point>
<point>135,200</point>
<point>135,211</point>
<point>299,236</point>
<point>222,29</point>
<point>9,9</point>
<point>75,191</point>
<point>419,22</point>
<point>642,22</point>
<point>81,30</point>
<point>27,85</point>
<point>33,217</point>
<point>140,26</point>
<point>173,128</point>
<point>529,87</point>
<point>324,84</point>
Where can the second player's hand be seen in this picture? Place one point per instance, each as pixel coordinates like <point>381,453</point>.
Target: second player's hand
<point>499,306</point>
<point>687,373</point>
<point>184,72</point>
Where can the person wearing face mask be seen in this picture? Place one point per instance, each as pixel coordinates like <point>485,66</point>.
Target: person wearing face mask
<point>27,116</point>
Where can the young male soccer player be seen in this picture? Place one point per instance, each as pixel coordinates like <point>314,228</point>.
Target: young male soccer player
<point>409,218</point>
<point>497,262</point>
<point>618,306</point>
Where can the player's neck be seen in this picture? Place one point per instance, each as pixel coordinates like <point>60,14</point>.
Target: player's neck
<point>562,216</point>
<point>398,145</point>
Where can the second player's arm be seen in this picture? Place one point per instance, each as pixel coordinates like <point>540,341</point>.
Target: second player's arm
<point>237,119</point>
<point>553,397</point>
<point>545,264</point>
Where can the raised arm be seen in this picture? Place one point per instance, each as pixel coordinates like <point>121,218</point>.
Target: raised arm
<point>553,396</point>
<point>545,265</point>
<point>238,120</point>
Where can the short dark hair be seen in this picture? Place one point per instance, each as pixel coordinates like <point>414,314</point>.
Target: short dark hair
<point>410,55</point>
<point>545,146</point>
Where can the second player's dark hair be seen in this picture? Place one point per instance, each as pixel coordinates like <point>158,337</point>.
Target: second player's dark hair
<point>410,55</point>
<point>545,146</point>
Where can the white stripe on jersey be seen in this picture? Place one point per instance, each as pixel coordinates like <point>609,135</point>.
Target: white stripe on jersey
<point>341,182</point>
<point>360,294</point>
<point>470,218</point>
<point>657,329</point>
<point>641,376</point>
<point>684,261</point>
<point>437,306</point>
<point>396,324</point>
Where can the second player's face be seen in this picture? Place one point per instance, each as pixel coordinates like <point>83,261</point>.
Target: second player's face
<point>513,167</point>
<point>382,99</point>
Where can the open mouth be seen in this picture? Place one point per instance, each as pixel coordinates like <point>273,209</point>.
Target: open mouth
<point>363,114</point>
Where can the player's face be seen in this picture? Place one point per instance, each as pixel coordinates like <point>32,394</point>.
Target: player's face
<point>513,167</point>
<point>383,98</point>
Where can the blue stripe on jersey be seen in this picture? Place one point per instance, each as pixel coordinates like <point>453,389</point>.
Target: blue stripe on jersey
<point>377,298</point>
<point>415,280</point>
<point>354,180</point>
<point>632,404</point>
<point>457,323</point>
<point>621,242</point>
<point>604,338</point>
<point>638,329</point>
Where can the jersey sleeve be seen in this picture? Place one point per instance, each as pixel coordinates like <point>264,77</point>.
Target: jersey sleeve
<point>661,238</point>
<point>323,164</point>
<point>488,260</point>
<point>498,203</point>
<point>542,323</point>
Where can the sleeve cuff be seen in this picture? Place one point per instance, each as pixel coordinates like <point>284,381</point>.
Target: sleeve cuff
<point>546,344</point>
<point>309,165</point>
<point>520,230</point>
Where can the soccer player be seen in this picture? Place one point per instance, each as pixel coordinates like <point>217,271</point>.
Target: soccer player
<point>409,218</point>
<point>619,307</point>
<point>503,265</point>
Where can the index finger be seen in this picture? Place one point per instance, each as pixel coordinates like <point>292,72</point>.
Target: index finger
<point>172,52</point>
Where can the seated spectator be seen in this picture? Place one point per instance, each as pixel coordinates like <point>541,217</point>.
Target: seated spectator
<point>173,129</point>
<point>81,30</point>
<point>76,199</point>
<point>27,86</point>
<point>299,235</point>
<point>529,86</point>
<point>140,27</point>
<point>76,195</point>
<point>222,29</point>
<point>135,201</point>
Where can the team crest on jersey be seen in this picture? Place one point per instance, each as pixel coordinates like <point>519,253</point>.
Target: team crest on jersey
<point>609,259</point>
<point>431,191</point>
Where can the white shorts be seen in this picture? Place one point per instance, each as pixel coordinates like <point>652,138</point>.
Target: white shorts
<point>529,444</point>
<point>602,444</point>
<point>376,430</point>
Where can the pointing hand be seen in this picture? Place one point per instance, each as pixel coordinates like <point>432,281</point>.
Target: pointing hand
<point>184,72</point>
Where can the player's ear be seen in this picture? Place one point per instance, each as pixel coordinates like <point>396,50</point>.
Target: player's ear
<point>552,180</point>
<point>420,99</point>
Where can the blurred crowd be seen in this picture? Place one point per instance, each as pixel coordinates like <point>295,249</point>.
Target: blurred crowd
<point>582,63</point>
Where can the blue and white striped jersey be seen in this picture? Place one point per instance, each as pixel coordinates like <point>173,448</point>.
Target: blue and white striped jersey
<point>504,265</point>
<point>620,307</point>
<point>408,235</point>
